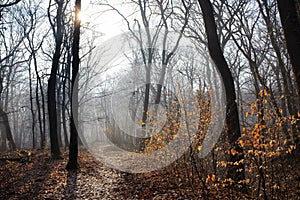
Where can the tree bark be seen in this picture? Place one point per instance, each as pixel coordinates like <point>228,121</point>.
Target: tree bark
<point>73,154</point>
<point>235,172</point>
<point>32,109</point>
<point>4,120</point>
<point>58,110</point>
<point>41,118</point>
<point>287,85</point>
<point>5,123</point>
<point>55,151</point>
<point>291,26</point>
<point>64,95</point>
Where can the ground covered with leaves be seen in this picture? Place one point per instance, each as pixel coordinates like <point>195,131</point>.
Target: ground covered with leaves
<point>36,176</point>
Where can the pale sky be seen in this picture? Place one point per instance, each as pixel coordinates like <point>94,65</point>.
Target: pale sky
<point>109,23</point>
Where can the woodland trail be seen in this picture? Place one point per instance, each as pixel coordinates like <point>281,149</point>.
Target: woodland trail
<point>42,178</point>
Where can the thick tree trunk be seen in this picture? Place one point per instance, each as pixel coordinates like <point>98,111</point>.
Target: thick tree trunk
<point>236,173</point>
<point>291,26</point>
<point>4,121</point>
<point>3,138</point>
<point>55,151</point>
<point>73,154</point>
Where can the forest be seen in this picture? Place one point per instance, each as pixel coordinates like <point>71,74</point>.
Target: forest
<point>150,99</point>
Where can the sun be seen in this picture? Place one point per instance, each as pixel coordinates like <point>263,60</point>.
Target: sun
<point>83,17</point>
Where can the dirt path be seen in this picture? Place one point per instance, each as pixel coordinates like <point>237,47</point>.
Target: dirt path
<point>43,178</point>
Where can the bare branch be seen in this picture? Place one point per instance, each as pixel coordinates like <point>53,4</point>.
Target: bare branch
<point>9,4</point>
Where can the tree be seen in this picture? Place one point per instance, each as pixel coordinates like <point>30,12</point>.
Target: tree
<point>33,44</point>
<point>73,153</point>
<point>235,172</point>
<point>58,34</point>
<point>11,41</point>
<point>165,15</point>
<point>291,26</point>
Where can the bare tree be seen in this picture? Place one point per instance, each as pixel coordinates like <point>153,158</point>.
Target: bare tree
<point>57,28</point>
<point>164,15</point>
<point>235,172</point>
<point>73,154</point>
<point>291,26</point>
<point>12,36</point>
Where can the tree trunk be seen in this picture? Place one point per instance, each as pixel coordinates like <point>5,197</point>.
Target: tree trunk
<point>55,151</point>
<point>4,120</point>
<point>236,173</point>
<point>3,138</point>
<point>64,106</point>
<point>58,109</point>
<point>73,154</point>
<point>43,134</point>
<point>32,109</point>
<point>265,11</point>
<point>291,26</point>
<point>38,104</point>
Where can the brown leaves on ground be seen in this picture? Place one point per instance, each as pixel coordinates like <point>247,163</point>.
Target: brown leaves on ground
<point>43,178</point>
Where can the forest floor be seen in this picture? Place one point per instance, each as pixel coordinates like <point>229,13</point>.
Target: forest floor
<point>43,178</point>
